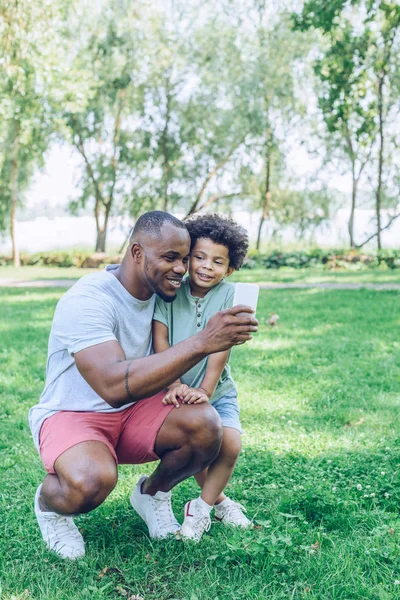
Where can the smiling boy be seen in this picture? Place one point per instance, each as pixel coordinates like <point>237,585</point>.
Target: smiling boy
<point>218,247</point>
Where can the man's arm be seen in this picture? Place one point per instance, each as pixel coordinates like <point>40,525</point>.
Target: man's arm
<point>119,381</point>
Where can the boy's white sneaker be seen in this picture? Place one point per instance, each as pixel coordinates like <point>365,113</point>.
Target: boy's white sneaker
<point>197,520</point>
<point>156,511</point>
<point>231,513</point>
<point>59,532</point>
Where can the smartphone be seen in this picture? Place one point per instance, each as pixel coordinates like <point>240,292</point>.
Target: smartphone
<point>247,294</point>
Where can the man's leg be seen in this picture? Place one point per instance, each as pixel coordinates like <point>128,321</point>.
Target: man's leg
<point>84,476</point>
<point>187,442</point>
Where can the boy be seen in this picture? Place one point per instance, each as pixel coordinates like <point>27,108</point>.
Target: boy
<point>218,247</point>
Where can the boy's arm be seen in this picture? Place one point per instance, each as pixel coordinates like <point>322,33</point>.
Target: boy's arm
<point>161,343</point>
<point>215,366</point>
<point>176,389</point>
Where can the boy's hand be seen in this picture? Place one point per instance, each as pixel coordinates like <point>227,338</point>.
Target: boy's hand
<point>175,393</point>
<point>195,396</point>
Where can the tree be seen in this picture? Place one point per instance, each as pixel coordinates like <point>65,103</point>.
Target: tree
<point>270,85</point>
<point>28,64</point>
<point>355,72</point>
<point>104,125</point>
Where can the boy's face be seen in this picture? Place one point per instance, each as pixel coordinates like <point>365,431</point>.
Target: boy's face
<point>208,265</point>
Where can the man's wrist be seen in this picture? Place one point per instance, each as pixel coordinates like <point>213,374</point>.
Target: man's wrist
<point>199,344</point>
<point>207,393</point>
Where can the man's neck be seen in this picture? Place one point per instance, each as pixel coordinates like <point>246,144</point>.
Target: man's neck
<point>132,283</point>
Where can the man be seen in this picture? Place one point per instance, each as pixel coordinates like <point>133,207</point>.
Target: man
<point>100,366</point>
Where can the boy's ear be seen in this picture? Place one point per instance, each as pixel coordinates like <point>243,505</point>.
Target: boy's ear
<point>229,271</point>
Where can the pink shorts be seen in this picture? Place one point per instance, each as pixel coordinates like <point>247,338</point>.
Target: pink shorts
<point>130,434</point>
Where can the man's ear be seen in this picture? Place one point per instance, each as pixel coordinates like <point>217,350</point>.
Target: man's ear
<point>136,252</point>
<point>229,271</point>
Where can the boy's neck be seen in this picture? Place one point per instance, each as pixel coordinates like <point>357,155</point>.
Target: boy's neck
<point>198,292</point>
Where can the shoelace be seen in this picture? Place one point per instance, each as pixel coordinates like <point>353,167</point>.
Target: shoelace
<point>202,523</point>
<point>235,510</point>
<point>163,512</point>
<point>63,527</point>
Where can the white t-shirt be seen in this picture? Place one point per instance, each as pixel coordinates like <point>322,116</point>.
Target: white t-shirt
<point>95,310</point>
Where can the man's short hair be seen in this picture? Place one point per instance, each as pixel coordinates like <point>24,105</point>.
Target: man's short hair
<point>151,222</point>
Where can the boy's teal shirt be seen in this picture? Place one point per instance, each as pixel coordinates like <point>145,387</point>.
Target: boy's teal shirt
<point>188,315</point>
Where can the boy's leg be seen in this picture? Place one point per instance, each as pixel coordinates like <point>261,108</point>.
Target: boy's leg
<point>220,472</point>
<point>212,480</point>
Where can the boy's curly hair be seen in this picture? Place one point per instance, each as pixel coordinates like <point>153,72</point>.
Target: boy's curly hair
<point>221,230</point>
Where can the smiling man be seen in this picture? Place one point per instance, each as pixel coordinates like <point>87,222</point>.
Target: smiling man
<point>101,404</point>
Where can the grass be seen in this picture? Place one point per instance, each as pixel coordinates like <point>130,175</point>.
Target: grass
<point>319,469</point>
<point>284,275</point>
<point>36,273</point>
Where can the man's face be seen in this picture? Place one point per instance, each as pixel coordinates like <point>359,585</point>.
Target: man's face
<point>166,261</point>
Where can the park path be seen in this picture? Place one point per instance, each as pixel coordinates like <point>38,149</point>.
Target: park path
<point>67,283</point>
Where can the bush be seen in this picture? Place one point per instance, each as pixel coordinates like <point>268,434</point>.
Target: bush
<point>342,259</point>
<point>63,259</point>
<point>338,259</point>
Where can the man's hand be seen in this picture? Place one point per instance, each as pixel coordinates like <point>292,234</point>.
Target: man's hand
<point>195,396</point>
<point>175,393</point>
<point>229,327</point>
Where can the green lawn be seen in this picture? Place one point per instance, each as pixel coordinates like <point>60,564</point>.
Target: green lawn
<point>36,273</point>
<point>284,275</point>
<point>319,472</point>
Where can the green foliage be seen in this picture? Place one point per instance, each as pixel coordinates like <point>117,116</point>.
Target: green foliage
<point>326,258</point>
<point>31,50</point>
<point>357,70</point>
<point>64,259</point>
<point>330,259</point>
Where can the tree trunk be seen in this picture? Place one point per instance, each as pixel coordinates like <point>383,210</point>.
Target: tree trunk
<point>14,197</point>
<point>380,163</point>
<point>353,208</point>
<point>166,166</point>
<point>267,198</point>
<point>102,224</point>
<point>101,240</point>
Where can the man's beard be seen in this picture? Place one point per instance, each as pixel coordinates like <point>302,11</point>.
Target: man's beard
<point>155,288</point>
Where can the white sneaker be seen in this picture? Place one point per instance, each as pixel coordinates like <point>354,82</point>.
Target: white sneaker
<point>231,513</point>
<point>156,511</point>
<point>197,521</point>
<point>59,532</point>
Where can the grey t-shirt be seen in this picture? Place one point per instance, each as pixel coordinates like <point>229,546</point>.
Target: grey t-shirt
<point>95,310</point>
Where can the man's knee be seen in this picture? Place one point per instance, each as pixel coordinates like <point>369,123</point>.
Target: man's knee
<point>87,488</point>
<point>205,432</point>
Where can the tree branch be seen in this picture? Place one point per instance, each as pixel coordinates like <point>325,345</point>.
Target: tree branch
<point>114,161</point>
<point>207,180</point>
<point>215,198</point>
<point>80,147</point>
<point>371,237</point>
